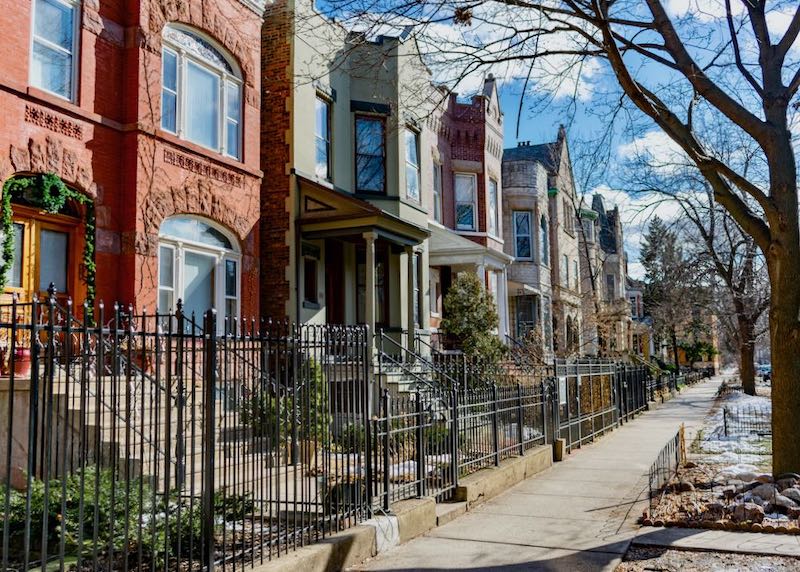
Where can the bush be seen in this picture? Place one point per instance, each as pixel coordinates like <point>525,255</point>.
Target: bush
<point>470,316</point>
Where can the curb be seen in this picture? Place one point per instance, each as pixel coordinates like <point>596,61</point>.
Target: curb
<point>410,518</point>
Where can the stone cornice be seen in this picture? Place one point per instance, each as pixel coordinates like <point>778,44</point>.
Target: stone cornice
<point>257,6</point>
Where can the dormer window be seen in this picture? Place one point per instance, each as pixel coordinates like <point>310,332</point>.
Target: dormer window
<point>201,92</point>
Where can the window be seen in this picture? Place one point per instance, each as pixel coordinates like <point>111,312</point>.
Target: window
<point>565,271</point>
<point>55,34</point>
<point>576,274</point>
<point>310,288</point>
<point>523,238</point>
<point>199,264</point>
<point>437,192</point>
<point>610,287</point>
<point>569,220</point>
<point>201,92</point>
<point>465,202</point>
<point>588,230</point>
<point>15,278</point>
<point>545,241</point>
<point>435,292</point>
<point>322,137</point>
<point>417,289</point>
<point>634,312</point>
<point>412,165</point>
<point>370,153</point>
<point>494,223</point>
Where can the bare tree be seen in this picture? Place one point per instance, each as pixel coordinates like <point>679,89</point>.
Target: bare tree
<point>720,69</point>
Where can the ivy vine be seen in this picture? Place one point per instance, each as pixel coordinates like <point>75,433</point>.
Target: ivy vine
<point>49,193</point>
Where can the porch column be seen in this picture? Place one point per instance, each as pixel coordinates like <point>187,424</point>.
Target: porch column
<point>369,295</point>
<point>410,317</point>
<point>480,270</point>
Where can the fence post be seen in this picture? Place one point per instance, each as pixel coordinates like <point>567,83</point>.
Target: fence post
<point>495,426</point>
<point>454,440</point>
<point>420,449</point>
<point>386,456</point>
<point>725,420</point>
<point>520,428</point>
<point>367,398</point>
<point>209,414</point>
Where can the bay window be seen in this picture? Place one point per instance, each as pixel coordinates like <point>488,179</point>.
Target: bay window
<point>54,47</point>
<point>201,92</point>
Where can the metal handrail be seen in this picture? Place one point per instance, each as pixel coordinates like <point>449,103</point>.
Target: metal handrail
<point>416,358</point>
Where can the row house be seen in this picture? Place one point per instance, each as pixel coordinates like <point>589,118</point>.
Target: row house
<point>348,175</point>
<point>603,264</point>
<point>466,223</point>
<point>130,136</point>
<point>540,211</point>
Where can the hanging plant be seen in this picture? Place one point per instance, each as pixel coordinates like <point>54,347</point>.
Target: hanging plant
<point>49,193</point>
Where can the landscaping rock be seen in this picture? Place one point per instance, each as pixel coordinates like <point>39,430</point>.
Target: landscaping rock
<point>748,512</point>
<point>683,487</point>
<point>764,478</point>
<point>792,493</point>
<point>729,492</point>
<point>784,502</point>
<point>714,511</point>
<point>786,483</point>
<point>793,512</point>
<point>766,491</point>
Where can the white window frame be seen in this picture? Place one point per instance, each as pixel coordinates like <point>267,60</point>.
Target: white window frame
<point>181,246</point>
<point>415,166</point>
<point>529,214</point>
<point>438,173</point>
<point>474,178</point>
<point>328,139</point>
<point>225,77</point>
<point>493,226</point>
<point>75,54</point>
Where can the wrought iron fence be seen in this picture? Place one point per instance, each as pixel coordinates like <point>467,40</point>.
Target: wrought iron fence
<point>168,442</point>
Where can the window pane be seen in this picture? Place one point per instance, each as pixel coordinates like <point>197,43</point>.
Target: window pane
<point>322,133</point>
<point>370,174</point>
<point>170,70</point>
<point>198,272</point>
<point>195,230</point>
<point>53,260</point>
<point>411,148</point>
<point>55,23</point>
<point>230,278</point>
<point>51,70</point>
<point>234,110</point>
<point>15,279</point>
<point>437,192</point>
<point>166,270</point>
<point>232,139</point>
<point>523,247</point>
<point>165,304</point>
<point>369,136</point>
<point>464,192</point>
<point>492,207</point>
<point>169,111</point>
<point>412,182</point>
<point>464,216</point>
<point>321,166</point>
<point>321,123</point>
<point>202,106</point>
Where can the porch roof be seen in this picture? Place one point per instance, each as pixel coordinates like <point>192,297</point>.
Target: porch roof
<point>326,211</point>
<point>521,289</point>
<point>450,249</point>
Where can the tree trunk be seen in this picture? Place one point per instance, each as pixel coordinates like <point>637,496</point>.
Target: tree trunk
<point>674,337</point>
<point>746,337</point>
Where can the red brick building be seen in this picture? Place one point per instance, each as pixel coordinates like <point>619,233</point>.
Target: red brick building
<point>148,112</point>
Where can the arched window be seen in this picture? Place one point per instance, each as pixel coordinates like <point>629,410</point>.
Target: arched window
<point>200,264</point>
<point>201,92</point>
<point>545,241</point>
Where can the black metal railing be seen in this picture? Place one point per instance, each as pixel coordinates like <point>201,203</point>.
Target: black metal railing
<point>666,466</point>
<point>746,420</point>
<point>173,441</point>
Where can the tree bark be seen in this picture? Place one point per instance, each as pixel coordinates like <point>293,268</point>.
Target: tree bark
<point>675,350</point>
<point>747,370</point>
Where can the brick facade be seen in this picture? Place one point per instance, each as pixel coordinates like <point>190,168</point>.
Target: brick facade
<point>108,142</point>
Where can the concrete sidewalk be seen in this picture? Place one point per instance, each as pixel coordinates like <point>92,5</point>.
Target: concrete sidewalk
<point>579,515</point>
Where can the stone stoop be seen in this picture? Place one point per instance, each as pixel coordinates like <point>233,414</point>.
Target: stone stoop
<point>411,518</point>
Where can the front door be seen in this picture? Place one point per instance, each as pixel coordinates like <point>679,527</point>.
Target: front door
<point>334,282</point>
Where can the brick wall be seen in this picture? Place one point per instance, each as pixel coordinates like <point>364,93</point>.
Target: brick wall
<point>276,50</point>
